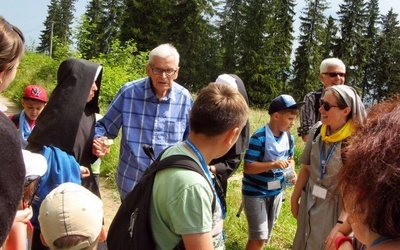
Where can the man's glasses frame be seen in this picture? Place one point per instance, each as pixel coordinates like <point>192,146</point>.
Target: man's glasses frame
<point>334,74</point>
<point>158,71</point>
<point>327,106</point>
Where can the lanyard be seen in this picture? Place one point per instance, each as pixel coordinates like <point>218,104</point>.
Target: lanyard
<point>207,171</point>
<point>380,240</point>
<point>324,161</point>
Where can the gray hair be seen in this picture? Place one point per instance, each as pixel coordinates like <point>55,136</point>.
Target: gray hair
<point>164,51</point>
<point>331,62</point>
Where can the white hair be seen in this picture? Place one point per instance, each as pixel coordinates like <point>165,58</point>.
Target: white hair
<point>164,51</point>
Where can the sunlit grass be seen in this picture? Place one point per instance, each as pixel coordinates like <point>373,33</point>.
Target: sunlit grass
<point>236,227</point>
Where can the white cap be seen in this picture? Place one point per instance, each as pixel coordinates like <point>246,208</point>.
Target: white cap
<point>71,209</point>
<point>227,79</point>
<point>35,164</point>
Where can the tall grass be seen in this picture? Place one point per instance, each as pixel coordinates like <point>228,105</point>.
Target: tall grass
<point>236,227</point>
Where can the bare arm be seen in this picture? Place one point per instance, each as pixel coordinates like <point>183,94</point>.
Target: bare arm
<point>344,230</point>
<point>302,180</point>
<point>331,236</point>
<point>198,241</point>
<point>257,167</point>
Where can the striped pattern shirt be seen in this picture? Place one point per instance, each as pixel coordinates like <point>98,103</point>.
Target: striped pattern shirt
<point>309,114</point>
<point>144,120</point>
<point>256,185</point>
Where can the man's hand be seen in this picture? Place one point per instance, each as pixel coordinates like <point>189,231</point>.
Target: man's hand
<point>101,146</point>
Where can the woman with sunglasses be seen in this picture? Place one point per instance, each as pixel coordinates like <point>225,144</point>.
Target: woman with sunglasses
<point>320,212</point>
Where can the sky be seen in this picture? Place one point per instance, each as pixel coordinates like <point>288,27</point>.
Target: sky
<point>29,15</point>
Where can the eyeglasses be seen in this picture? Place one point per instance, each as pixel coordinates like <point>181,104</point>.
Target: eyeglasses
<point>334,74</point>
<point>327,106</point>
<point>158,71</point>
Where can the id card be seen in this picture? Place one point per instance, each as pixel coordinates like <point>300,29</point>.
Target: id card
<point>319,192</point>
<point>274,185</point>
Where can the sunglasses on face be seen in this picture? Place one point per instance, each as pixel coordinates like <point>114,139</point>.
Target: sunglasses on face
<point>327,106</point>
<point>334,74</point>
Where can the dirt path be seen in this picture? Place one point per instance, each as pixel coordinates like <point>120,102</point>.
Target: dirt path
<point>110,197</point>
<point>111,202</point>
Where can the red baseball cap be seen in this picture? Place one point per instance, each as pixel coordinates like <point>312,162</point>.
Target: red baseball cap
<point>36,93</point>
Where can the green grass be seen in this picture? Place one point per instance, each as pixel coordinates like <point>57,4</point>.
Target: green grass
<point>236,228</point>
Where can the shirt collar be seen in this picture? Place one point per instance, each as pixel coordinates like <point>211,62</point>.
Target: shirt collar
<point>171,96</point>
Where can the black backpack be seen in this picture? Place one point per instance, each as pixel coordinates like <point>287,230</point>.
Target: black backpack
<point>131,228</point>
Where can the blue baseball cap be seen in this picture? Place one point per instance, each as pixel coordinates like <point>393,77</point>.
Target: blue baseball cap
<point>283,102</point>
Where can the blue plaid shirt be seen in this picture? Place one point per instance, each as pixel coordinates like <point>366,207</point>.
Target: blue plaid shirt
<point>144,120</point>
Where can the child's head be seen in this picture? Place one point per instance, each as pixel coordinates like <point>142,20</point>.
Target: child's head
<point>283,111</point>
<point>34,100</point>
<point>71,217</point>
<point>217,109</point>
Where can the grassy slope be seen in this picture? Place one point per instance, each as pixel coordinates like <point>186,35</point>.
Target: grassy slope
<point>236,228</point>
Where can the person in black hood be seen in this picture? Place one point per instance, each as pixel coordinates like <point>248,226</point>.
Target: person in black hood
<point>67,122</point>
<point>225,166</point>
<point>64,130</point>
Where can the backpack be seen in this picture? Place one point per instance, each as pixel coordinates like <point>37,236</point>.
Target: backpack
<point>318,95</point>
<point>131,227</point>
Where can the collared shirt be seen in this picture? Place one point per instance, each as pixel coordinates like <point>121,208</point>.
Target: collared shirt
<point>144,120</point>
<point>309,114</point>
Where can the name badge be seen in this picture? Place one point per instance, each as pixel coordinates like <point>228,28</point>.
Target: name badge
<point>319,192</point>
<point>274,185</point>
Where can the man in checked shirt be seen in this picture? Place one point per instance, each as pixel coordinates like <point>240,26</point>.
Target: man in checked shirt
<point>152,111</point>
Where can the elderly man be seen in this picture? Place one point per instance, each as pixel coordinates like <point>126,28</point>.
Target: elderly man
<point>152,110</point>
<point>332,72</point>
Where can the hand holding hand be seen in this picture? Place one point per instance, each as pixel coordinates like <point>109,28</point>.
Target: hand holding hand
<point>85,172</point>
<point>101,147</point>
<point>23,215</point>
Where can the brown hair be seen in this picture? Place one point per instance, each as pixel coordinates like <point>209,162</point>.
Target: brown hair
<point>11,45</point>
<point>217,109</point>
<point>290,111</point>
<point>70,241</point>
<point>370,179</point>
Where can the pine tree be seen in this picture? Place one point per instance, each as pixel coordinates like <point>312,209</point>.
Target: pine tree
<point>329,39</point>
<point>371,35</point>
<point>386,80</point>
<point>308,55</point>
<point>99,27</point>
<point>57,26</point>
<point>352,45</point>
<point>230,21</point>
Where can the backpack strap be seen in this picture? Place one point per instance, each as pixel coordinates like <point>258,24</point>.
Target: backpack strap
<point>181,161</point>
<point>318,94</point>
<point>317,131</point>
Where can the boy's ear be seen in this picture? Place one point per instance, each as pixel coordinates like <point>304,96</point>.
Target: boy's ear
<point>275,115</point>
<point>232,136</point>
<point>43,240</point>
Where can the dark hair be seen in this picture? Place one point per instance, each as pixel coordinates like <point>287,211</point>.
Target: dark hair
<point>370,179</point>
<point>217,109</point>
<point>11,45</point>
